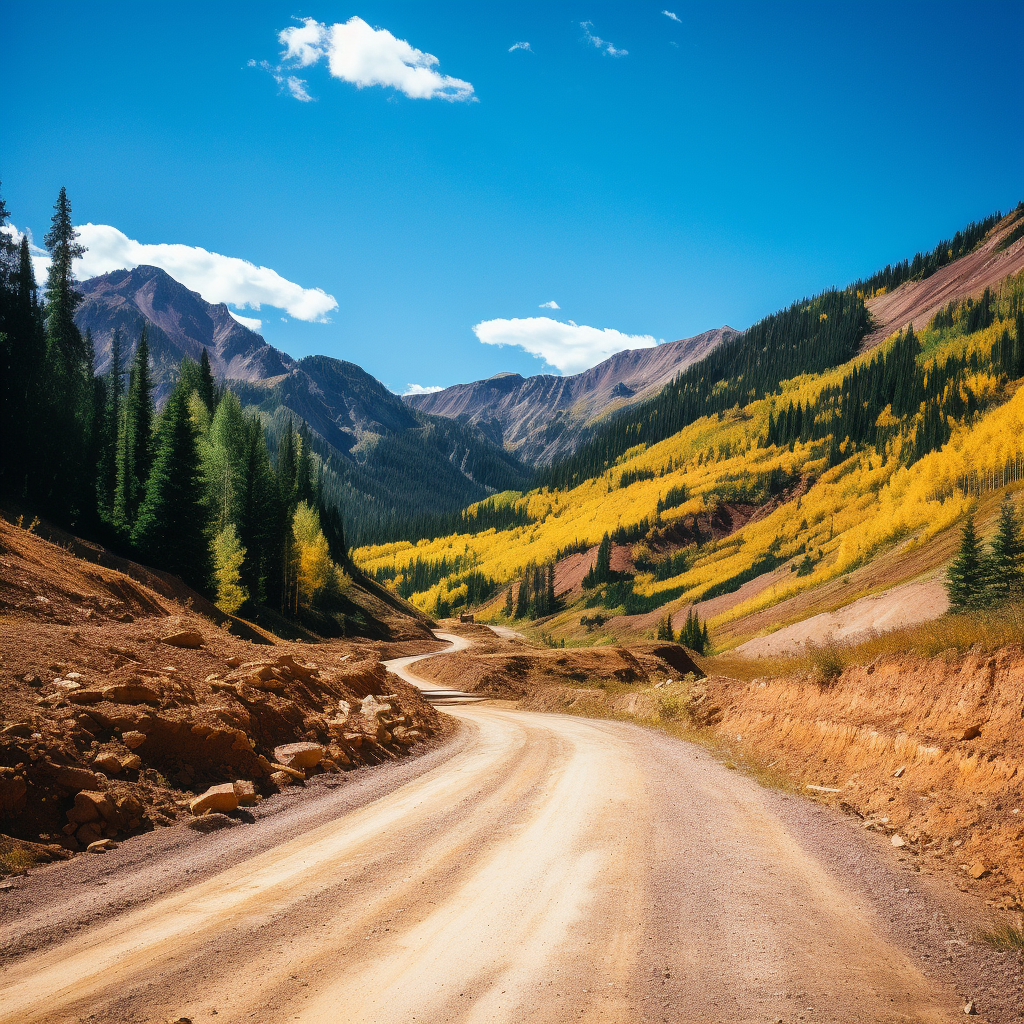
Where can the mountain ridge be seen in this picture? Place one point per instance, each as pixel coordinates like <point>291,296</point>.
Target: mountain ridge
<point>544,416</point>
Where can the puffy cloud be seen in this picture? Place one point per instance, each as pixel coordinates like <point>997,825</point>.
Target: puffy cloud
<point>39,257</point>
<point>672,15</point>
<point>568,347</point>
<point>419,389</point>
<point>217,278</point>
<point>246,321</point>
<point>520,46</point>
<point>602,44</point>
<point>367,56</point>
<point>549,305</point>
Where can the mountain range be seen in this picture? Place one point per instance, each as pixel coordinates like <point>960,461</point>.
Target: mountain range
<point>386,460</point>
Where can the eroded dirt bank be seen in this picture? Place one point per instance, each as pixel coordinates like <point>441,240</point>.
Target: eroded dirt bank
<point>927,750</point>
<point>120,706</point>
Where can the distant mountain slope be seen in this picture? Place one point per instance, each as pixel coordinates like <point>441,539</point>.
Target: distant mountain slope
<point>918,301</point>
<point>544,417</point>
<point>383,460</point>
<point>181,323</point>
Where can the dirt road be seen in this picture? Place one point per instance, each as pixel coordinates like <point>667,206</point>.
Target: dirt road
<point>540,868</point>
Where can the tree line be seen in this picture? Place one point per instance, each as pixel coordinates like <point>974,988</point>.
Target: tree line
<point>811,336</point>
<point>190,490</point>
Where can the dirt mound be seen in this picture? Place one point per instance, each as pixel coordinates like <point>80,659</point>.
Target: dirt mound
<point>119,705</point>
<point>516,674</point>
<point>918,301</point>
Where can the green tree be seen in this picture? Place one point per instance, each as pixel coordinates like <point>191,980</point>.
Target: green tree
<point>224,459</point>
<point>207,386</point>
<point>171,529</point>
<point>69,491</point>
<point>967,576</point>
<point>110,429</point>
<point>694,635</point>
<point>228,555</point>
<point>665,631</point>
<point>135,443</point>
<point>1007,553</point>
<point>258,517</point>
<point>601,572</point>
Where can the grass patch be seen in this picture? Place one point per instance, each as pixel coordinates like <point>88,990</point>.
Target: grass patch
<point>15,861</point>
<point>1006,936</point>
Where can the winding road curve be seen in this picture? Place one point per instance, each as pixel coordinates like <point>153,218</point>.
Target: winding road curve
<point>539,868</point>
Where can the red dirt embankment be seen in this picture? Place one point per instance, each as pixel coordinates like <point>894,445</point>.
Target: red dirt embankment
<point>931,750</point>
<point>110,725</point>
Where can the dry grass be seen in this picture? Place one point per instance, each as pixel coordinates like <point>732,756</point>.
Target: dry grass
<point>1006,936</point>
<point>986,629</point>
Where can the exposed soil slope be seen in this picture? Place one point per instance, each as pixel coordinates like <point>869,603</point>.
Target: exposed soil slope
<point>108,728</point>
<point>917,302</point>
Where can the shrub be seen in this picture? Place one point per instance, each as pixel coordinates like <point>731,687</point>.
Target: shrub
<point>828,659</point>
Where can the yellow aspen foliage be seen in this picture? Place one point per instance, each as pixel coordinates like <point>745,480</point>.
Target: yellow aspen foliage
<point>228,555</point>
<point>314,569</point>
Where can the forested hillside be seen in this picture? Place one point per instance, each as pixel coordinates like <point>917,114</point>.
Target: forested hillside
<point>783,471</point>
<point>191,490</point>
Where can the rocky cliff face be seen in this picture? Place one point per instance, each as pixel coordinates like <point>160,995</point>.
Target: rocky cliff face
<point>544,417</point>
<point>181,323</point>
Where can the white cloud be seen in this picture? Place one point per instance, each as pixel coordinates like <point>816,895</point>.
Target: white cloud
<point>672,15</point>
<point>297,87</point>
<point>568,347</point>
<point>367,56</point>
<point>549,305</point>
<point>217,278</point>
<point>601,44</point>
<point>246,321</point>
<point>39,257</point>
<point>520,46</point>
<point>419,389</point>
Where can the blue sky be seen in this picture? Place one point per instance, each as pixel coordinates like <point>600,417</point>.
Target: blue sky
<point>731,160</point>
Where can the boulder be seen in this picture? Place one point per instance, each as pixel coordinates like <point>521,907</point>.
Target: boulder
<point>101,846</point>
<point>898,841</point>
<point>281,779</point>
<point>89,833</point>
<point>133,739</point>
<point>131,693</point>
<point>978,869</point>
<point>13,794</point>
<point>132,762</point>
<point>299,755</point>
<point>186,638</point>
<point>71,778</point>
<point>89,696</point>
<point>92,806</point>
<point>216,798</point>
<point>246,792</point>
<point>108,763</point>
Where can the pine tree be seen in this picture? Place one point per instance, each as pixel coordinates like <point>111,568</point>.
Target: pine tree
<point>1007,554</point>
<point>967,576</point>
<point>207,385</point>
<point>171,530</point>
<point>665,631</point>
<point>106,477</point>
<point>69,443</point>
<point>135,443</point>
<point>304,479</point>
<point>258,515</point>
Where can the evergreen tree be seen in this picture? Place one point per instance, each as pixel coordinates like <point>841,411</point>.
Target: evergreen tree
<point>207,386</point>
<point>967,575</point>
<point>106,477</point>
<point>258,514</point>
<point>601,572</point>
<point>665,631</point>
<point>135,443</point>
<point>1007,554</point>
<point>171,530</point>
<point>304,479</point>
<point>694,635</point>
<point>70,492</point>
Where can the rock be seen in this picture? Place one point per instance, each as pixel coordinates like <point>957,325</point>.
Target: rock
<point>299,755</point>
<point>972,732</point>
<point>89,833</point>
<point>216,798</point>
<point>131,693</point>
<point>85,696</point>
<point>101,846</point>
<point>246,792</point>
<point>978,869</point>
<point>212,822</point>
<point>34,681</point>
<point>233,662</point>
<point>92,806</point>
<point>328,765</point>
<point>13,795</point>
<point>898,841</point>
<point>108,763</point>
<point>133,739</point>
<point>186,638</point>
<point>295,773</point>
<point>132,762</point>
<point>281,778</point>
<point>71,778</point>
<point>969,1008</point>
<point>899,772</point>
